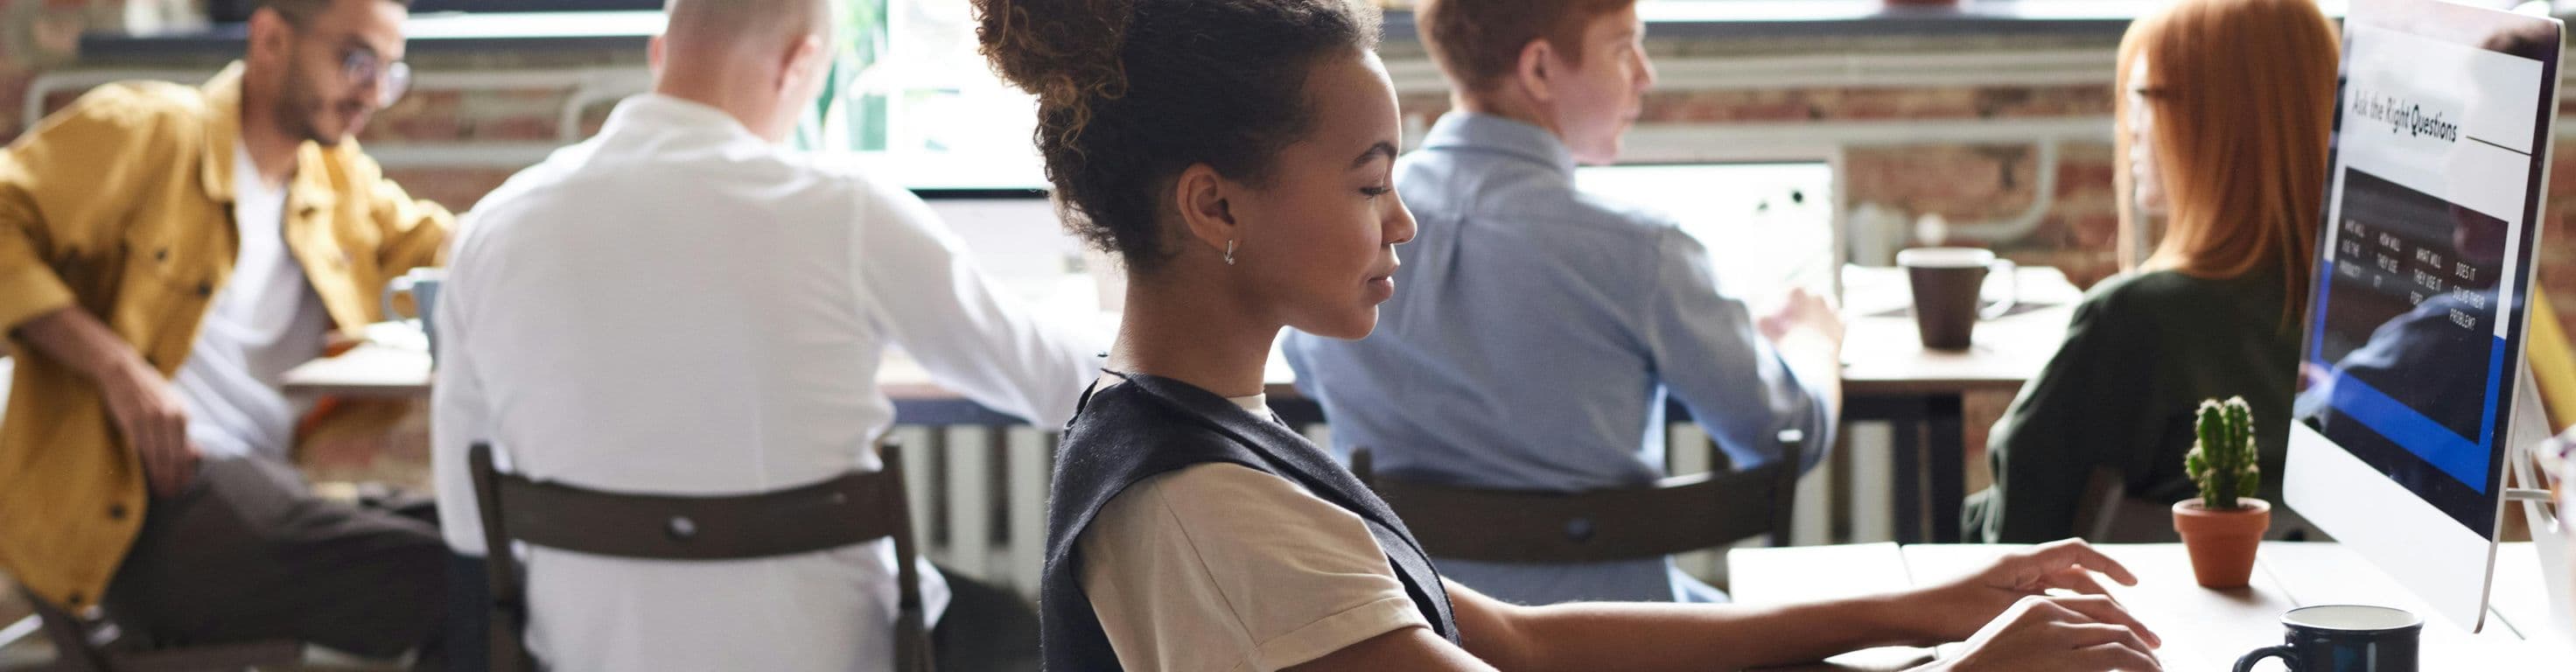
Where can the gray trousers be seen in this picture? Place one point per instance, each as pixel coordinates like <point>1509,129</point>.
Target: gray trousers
<point>249,554</point>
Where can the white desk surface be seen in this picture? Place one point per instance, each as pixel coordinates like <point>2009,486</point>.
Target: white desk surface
<point>1881,353</point>
<point>2203,629</point>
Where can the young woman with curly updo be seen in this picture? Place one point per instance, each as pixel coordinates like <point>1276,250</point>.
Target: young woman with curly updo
<point>1237,155</point>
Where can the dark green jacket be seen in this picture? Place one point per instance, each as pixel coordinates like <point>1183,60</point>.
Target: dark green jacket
<point>2142,352</point>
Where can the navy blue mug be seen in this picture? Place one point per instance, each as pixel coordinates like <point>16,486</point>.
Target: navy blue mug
<point>2344,638</point>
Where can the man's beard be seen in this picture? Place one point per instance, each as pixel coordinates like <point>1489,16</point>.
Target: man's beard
<point>300,107</point>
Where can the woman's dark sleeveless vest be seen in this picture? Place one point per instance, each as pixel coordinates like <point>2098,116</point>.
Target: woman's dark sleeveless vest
<point>1148,426</point>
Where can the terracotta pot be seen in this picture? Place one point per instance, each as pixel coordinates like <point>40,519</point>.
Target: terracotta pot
<point>2222,543</point>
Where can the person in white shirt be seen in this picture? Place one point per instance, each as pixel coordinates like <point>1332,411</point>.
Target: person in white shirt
<point>682,306</point>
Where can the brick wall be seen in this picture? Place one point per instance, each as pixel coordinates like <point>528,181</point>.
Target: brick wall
<point>1963,182</point>
<point>36,35</point>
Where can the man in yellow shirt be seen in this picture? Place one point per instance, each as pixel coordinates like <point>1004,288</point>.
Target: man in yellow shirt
<point>166,253</point>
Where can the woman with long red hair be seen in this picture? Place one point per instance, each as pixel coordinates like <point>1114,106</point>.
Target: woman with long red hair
<point>2224,114</point>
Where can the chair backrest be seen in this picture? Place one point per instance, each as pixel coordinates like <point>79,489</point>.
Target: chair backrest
<point>2097,511</point>
<point>1674,515</point>
<point>852,508</point>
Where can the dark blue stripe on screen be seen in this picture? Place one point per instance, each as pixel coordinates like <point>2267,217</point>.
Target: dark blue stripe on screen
<point>2496,384</point>
<point>2317,332</point>
<point>2437,445</point>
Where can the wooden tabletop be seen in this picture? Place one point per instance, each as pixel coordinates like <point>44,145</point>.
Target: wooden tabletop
<point>2203,629</point>
<point>1882,354</point>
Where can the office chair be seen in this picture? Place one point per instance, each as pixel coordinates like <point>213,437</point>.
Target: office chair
<point>1673,515</point>
<point>849,509</point>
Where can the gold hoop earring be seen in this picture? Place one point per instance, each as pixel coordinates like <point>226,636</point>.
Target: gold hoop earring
<point>1229,251</point>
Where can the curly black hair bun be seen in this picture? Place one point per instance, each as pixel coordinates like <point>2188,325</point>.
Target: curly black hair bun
<point>1132,92</point>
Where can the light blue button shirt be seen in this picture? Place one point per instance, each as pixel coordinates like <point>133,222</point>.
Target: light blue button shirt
<point>1534,334</point>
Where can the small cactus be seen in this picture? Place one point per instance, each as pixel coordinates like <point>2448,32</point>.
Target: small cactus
<point>2221,462</point>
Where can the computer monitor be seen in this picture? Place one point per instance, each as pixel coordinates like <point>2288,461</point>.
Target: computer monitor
<point>1768,226</point>
<point>1019,242</point>
<point>2415,388</point>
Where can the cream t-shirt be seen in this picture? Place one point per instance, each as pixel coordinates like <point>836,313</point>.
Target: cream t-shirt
<point>1222,567</point>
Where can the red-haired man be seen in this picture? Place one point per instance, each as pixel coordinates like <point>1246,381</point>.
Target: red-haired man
<point>1541,327</point>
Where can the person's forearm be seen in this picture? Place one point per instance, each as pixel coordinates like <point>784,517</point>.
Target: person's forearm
<point>1644,636</point>
<point>149,415</point>
<point>77,339</point>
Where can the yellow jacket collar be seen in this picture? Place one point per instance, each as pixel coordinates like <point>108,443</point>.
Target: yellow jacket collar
<point>223,131</point>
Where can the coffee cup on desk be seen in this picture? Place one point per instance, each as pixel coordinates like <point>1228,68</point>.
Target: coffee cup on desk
<point>422,285</point>
<point>2344,638</point>
<point>1946,283</point>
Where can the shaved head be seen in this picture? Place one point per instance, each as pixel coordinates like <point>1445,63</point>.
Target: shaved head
<point>706,26</point>
<point>761,61</point>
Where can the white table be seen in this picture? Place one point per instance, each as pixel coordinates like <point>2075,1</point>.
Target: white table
<point>2203,629</point>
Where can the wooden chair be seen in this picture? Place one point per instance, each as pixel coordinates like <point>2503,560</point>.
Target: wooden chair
<point>850,509</point>
<point>2105,513</point>
<point>77,648</point>
<point>1674,515</point>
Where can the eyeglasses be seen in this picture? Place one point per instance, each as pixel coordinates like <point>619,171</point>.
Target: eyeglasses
<point>363,67</point>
